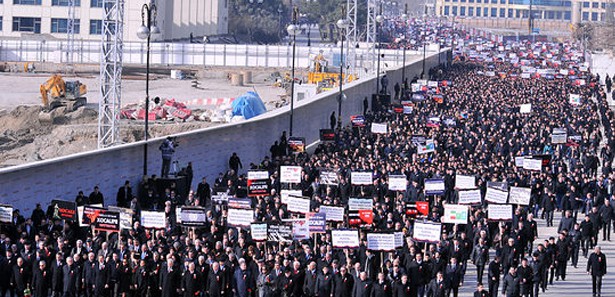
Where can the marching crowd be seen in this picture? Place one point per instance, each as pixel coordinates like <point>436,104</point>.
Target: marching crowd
<point>44,256</point>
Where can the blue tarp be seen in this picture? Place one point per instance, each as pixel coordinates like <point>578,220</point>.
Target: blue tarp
<point>248,105</point>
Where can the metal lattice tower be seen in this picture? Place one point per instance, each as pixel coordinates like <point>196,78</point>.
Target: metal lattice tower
<point>111,73</point>
<point>370,33</point>
<point>70,37</point>
<point>351,36</point>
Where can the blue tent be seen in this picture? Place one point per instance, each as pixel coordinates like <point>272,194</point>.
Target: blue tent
<point>248,105</point>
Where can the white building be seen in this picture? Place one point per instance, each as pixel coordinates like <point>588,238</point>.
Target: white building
<point>49,18</point>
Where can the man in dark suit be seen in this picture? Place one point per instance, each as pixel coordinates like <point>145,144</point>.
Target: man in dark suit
<point>20,278</point>
<point>203,193</point>
<point>191,282</point>
<point>56,276</point>
<point>297,279</point>
<point>362,287</point>
<point>124,195</point>
<point>438,286</point>
<point>169,280</point>
<point>40,280</point>
<point>309,283</point>
<point>403,287</point>
<point>102,272</point>
<point>70,275</point>
<point>493,273</point>
<point>480,291</point>
<point>89,275</point>
<point>453,277</point>
<point>216,282</point>
<point>342,283</point>
<point>596,267</point>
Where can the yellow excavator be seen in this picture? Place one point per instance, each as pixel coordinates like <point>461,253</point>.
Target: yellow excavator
<point>56,92</point>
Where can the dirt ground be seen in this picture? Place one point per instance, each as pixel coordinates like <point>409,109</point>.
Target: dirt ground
<point>24,139</point>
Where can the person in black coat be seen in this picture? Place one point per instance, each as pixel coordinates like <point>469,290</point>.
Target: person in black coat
<point>284,284</point>
<point>191,281</point>
<point>141,279</point>
<point>493,273</point>
<point>102,278</point>
<point>57,271</point>
<point>438,287</point>
<point>510,286</point>
<point>481,292</point>
<point>403,288</point>
<point>309,283</point>
<point>561,256</point>
<point>124,195</point>
<point>20,278</point>
<point>324,282</point>
<point>596,267</point>
<point>89,275</point>
<point>452,276</point>
<point>297,279</point>
<point>41,280</point>
<point>70,277</point>
<point>169,280</point>
<point>216,281</point>
<point>525,274</point>
<point>381,288</point>
<point>480,258</point>
<point>362,287</point>
<point>343,283</point>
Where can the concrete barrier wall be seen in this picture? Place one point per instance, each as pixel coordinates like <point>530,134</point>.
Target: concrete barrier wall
<point>209,149</point>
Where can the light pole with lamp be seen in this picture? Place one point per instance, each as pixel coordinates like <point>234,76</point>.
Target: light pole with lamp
<point>342,24</point>
<point>404,18</point>
<point>145,32</point>
<point>379,19</point>
<point>292,30</point>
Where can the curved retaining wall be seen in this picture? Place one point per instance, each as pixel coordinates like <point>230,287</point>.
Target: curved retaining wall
<point>209,149</point>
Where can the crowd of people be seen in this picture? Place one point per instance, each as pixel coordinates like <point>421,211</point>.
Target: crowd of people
<point>483,133</point>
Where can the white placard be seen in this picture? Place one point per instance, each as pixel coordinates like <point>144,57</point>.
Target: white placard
<point>426,232</point>
<point>297,204</point>
<point>153,219</point>
<point>428,147</point>
<point>499,212</point>
<point>532,164</point>
<point>360,204</point>
<point>80,216</point>
<point>126,216</point>
<point>520,195</point>
<point>559,138</point>
<point>285,193</point>
<point>455,214</point>
<point>380,241</point>
<point>519,161</point>
<point>6,214</point>
<point>525,108</point>
<point>240,217</point>
<point>345,238</point>
<point>399,239</point>
<point>496,196</point>
<point>379,128</point>
<point>258,174</point>
<point>361,178</point>
<point>333,213</point>
<point>259,232</point>
<point>465,182</point>
<point>434,187</point>
<point>469,197</point>
<point>301,229</point>
<point>290,174</point>
<point>397,182</point>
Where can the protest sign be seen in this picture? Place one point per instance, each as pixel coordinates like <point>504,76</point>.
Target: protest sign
<point>285,193</point>
<point>345,238</point>
<point>318,222</point>
<point>243,203</point>
<point>125,216</point>
<point>532,164</point>
<point>258,174</point>
<point>399,239</point>
<point>290,174</point>
<point>101,218</point>
<point>397,182</point>
<point>192,216</point>
<point>455,214</point>
<point>259,232</point>
<point>380,241</point>
<point>559,138</point>
<point>434,186</point>
<point>574,99</point>
<point>279,233</point>
<point>296,144</point>
<point>328,177</point>
<point>519,161</point>
<point>379,128</point>
<point>6,214</point>
<point>502,186</point>
<point>64,210</point>
<point>525,108</point>
<point>469,197</point>
<point>297,204</point>
<point>153,219</point>
<point>361,178</point>
<point>428,147</point>
<point>360,203</point>
<point>357,120</point>
<point>240,217</point>
<point>301,229</point>
<point>333,213</point>
<point>258,183</point>
<point>327,135</point>
<point>426,232</point>
<point>520,195</point>
<point>464,182</point>
<point>496,196</point>
<point>499,212</point>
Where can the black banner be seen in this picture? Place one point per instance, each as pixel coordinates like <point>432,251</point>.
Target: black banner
<point>64,210</point>
<point>101,218</point>
<point>327,135</point>
<point>193,216</point>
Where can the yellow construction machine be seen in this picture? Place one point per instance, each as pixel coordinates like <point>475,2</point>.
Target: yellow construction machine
<point>56,92</point>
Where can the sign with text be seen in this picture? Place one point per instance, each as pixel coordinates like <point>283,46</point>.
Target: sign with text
<point>426,232</point>
<point>469,197</point>
<point>192,216</point>
<point>259,232</point>
<point>279,233</point>
<point>379,128</point>
<point>64,210</point>
<point>327,135</point>
<point>296,144</point>
<point>125,216</point>
<point>345,238</point>
<point>397,182</point>
<point>428,147</point>
<point>399,239</point>
<point>328,177</point>
<point>520,195</point>
<point>240,217</point>
<point>153,219</point>
<point>301,229</point>
<point>434,186</point>
<point>318,222</point>
<point>285,193</point>
<point>464,182</point>
<point>361,178</point>
<point>101,218</point>
<point>380,241</point>
<point>360,203</point>
<point>290,174</point>
<point>357,120</point>
<point>496,196</point>
<point>499,212</point>
<point>258,183</point>
<point>297,204</point>
<point>525,108</point>
<point>333,213</point>
<point>532,164</point>
<point>455,214</point>
<point>6,214</point>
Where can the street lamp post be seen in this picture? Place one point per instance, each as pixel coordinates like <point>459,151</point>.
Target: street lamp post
<point>292,30</point>
<point>147,29</point>
<point>342,24</point>
<point>404,18</point>
<point>379,19</point>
